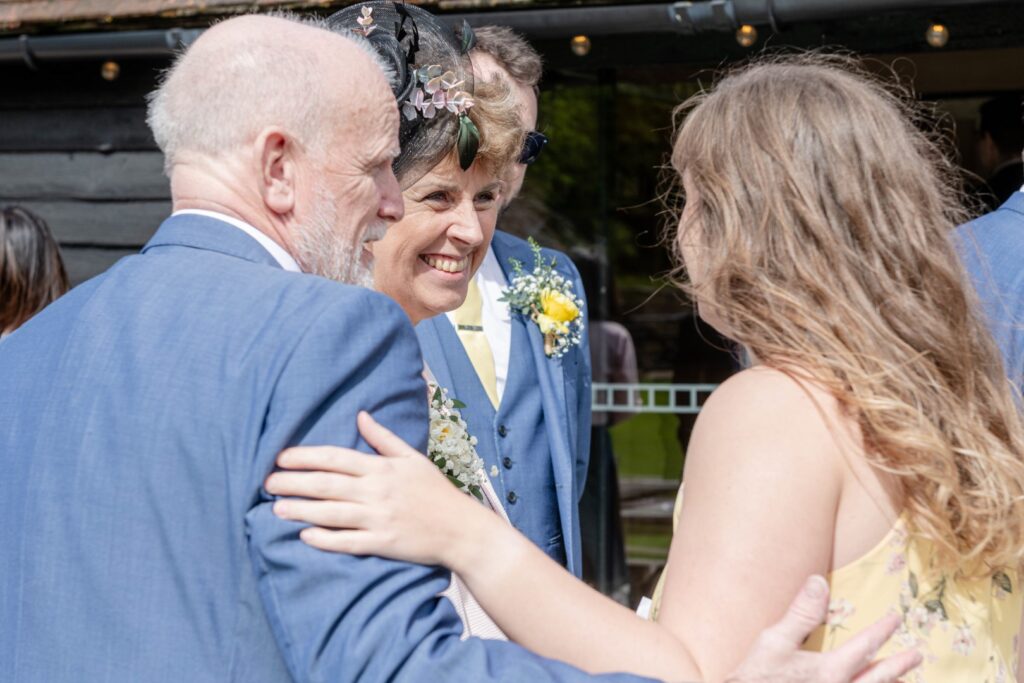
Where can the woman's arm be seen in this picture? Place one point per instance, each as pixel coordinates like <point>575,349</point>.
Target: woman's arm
<point>407,510</point>
<point>763,482</point>
<point>400,506</point>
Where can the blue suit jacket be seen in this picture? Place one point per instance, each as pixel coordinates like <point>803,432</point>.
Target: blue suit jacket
<point>564,388</point>
<point>139,416</point>
<point>992,248</point>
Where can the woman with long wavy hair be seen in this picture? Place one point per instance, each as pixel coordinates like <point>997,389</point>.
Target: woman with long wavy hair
<point>874,439</point>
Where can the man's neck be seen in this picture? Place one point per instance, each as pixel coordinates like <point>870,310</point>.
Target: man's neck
<point>206,185</point>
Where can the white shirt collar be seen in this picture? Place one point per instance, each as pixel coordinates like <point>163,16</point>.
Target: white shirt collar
<point>276,250</point>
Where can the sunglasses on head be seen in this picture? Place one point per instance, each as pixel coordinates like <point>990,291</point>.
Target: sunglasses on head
<point>532,147</point>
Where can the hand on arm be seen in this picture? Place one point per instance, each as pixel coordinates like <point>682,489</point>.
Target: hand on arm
<point>776,656</point>
<point>343,618</point>
<point>404,508</point>
<point>425,519</point>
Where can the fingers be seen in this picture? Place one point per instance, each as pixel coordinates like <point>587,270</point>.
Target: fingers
<point>382,439</point>
<point>325,459</point>
<point>891,669</point>
<point>858,652</point>
<point>351,542</point>
<point>322,485</point>
<point>331,513</point>
<point>805,613</point>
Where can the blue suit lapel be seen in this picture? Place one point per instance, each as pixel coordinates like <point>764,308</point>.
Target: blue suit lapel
<point>433,349</point>
<point>553,396</point>
<point>453,370</point>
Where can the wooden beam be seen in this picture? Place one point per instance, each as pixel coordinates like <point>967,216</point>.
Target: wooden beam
<point>107,225</point>
<point>83,175</point>
<point>75,129</point>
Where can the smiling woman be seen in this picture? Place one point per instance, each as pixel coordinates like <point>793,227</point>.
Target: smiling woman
<point>426,260</point>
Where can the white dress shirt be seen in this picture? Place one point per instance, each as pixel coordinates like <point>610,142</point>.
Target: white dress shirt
<point>496,317</point>
<point>276,250</point>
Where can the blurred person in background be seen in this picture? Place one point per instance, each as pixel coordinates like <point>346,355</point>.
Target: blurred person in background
<point>32,272</point>
<point>1000,143</point>
<point>992,246</point>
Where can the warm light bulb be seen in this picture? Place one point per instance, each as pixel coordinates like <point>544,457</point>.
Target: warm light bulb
<point>580,45</point>
<point>937,35</point>
<point>746,35</point>
<point>110,71</point>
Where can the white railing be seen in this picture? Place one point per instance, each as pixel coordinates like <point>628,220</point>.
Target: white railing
<point>681,399</point>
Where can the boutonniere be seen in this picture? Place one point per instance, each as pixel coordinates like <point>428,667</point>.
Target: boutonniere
<point>544,296</point>
<point>450,446</point>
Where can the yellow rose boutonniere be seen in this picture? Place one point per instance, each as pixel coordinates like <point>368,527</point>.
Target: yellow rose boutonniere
<point>546,297</point>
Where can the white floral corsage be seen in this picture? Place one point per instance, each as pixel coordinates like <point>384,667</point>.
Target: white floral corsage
<point>547,298</point>
<point>451,447</point>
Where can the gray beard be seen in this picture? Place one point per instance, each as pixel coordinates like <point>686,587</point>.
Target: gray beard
<point>320,252</point>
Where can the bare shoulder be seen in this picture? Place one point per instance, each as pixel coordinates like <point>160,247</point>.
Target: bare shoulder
<point>765,411</point>
<point>764,395</point>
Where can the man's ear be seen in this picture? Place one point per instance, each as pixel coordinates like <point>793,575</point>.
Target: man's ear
<point>274,152</point>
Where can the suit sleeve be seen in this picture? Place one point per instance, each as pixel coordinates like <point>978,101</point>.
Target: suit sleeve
<point>341,618</point>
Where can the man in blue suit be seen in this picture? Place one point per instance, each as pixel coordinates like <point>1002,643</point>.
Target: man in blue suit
<point>141,413</point>
<point>530,412</point>
<point>992,248</point>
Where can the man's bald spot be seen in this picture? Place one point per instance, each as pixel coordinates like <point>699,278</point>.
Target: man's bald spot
<point>247,73</point>
<point>337,58</point>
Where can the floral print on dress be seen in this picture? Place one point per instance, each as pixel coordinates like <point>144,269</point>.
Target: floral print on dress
<point>958,622</point>
<point>897,563</point>
<point>838,612</point>
<point>963,641</point>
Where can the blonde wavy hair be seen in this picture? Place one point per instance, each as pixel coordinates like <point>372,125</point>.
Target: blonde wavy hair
<point>824,218</point>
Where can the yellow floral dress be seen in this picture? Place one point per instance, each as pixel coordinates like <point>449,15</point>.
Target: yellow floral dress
<point>967,629</point>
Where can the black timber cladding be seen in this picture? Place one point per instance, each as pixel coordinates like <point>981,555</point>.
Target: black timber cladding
<point>75,148</point>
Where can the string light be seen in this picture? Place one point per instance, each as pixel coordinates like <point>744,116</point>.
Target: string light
<point>110,71</point>
<point>580,45</point>
<point>746,35</point>
<point>937,34</point>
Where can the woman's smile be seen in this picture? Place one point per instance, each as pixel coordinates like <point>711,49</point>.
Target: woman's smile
<point>447,264</point>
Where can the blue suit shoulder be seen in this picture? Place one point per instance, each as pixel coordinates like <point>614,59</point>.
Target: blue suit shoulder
<point>522,250</point>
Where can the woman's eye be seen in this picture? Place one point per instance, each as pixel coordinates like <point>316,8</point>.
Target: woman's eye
<point>486,197</point>
<point>436,197</point>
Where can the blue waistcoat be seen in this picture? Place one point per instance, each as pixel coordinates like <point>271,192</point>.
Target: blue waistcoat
<point>538,439</point>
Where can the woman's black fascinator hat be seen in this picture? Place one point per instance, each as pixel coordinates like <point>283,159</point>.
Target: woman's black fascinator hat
<point>433,81</point>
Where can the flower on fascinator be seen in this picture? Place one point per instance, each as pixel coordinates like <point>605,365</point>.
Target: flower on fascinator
<point>419,102</point>
<point>427,73</point>
<point>366,26</point>
<point>440,91</point>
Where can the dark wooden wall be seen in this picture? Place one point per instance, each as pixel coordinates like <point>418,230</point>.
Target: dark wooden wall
<point>75,148</point>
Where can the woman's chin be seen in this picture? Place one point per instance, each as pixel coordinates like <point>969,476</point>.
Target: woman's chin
<point>441,302</point>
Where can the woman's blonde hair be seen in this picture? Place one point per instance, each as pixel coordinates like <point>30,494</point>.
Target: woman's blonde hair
<point>824,219</point>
